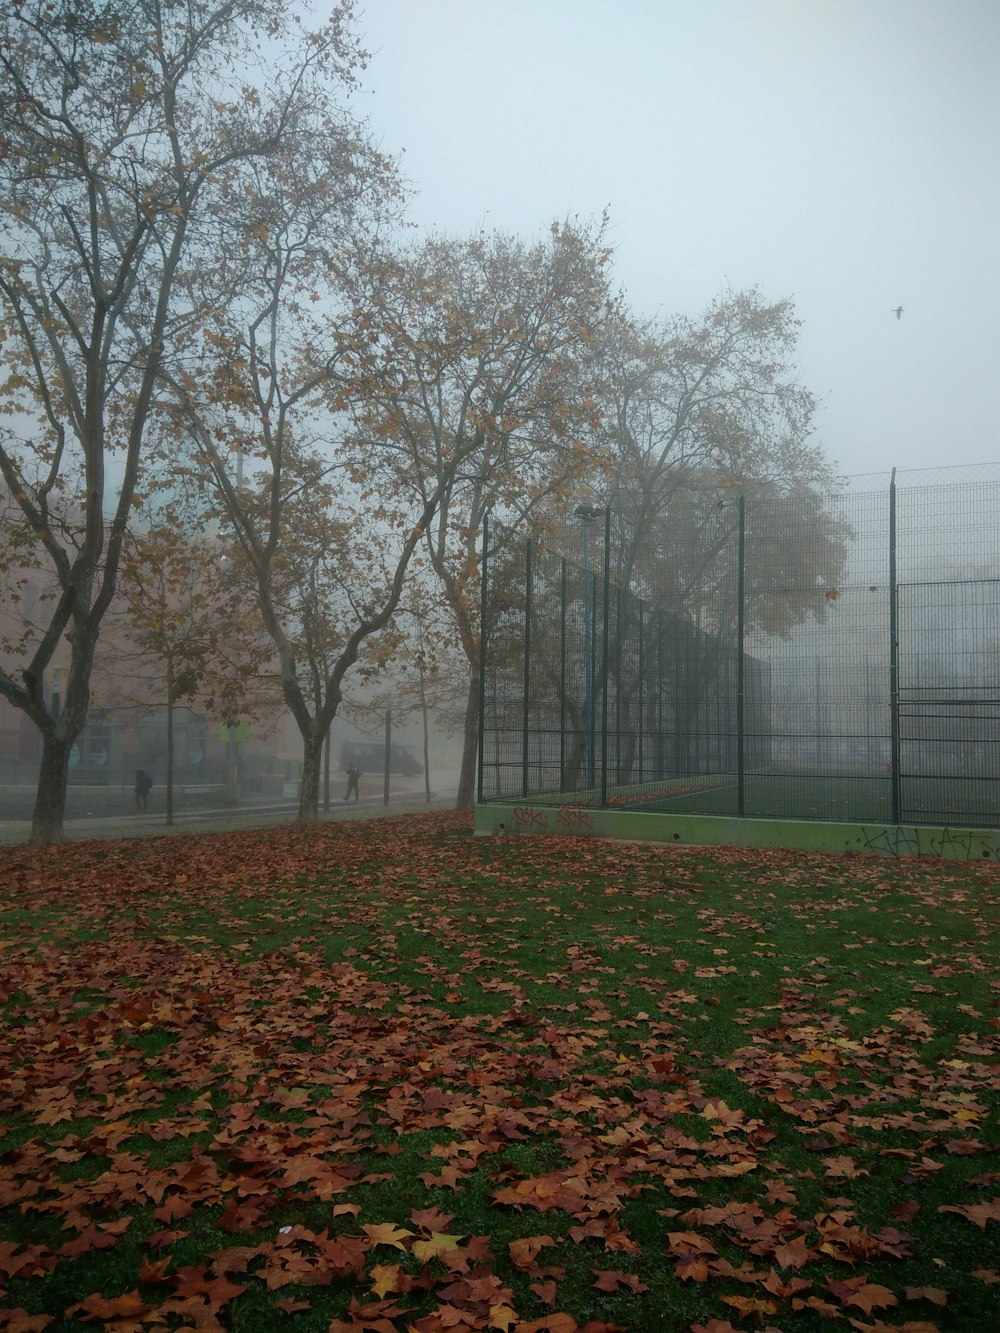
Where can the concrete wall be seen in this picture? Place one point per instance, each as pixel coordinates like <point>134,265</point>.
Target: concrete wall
<point>709,831</point>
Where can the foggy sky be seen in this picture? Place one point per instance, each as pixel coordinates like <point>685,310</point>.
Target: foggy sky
<point>843,152</point>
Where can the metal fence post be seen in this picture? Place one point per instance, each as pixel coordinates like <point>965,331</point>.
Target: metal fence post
<point>582,513</point>
<point>740,664</point>
<point>527,667</point>
<point>604,653</point>
<point>562,674</point>
<point>642,694</point>
<point>586,513</point>
<point>619,639</point>
<point>657,619</point>
<point>893,654</point>
<point>482,657</point>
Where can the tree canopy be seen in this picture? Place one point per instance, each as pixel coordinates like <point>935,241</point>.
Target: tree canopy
<point>481,389</point>
<point>139,145</point>
<point>698,411</point>
<point>202,275</point>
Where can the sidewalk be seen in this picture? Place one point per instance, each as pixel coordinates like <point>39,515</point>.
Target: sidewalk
<point>16,831</point>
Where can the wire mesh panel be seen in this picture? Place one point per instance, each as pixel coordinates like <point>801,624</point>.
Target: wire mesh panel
<point>949,702</point>
<point>683,574</point>
<point>779,653</point>
<point>818,605</point>
<point>949,654</point>
<point>505,651</point>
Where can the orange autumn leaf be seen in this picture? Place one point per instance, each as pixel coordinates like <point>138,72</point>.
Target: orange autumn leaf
<point>385,1279</point>
<point>843,1166</point>
<point>979,1213</point>
<point>866,1296</point>
<point>907,1326</point>
<point>19,1321</point>
<point>387,1233</point>
<point>524,1251</point>
<point>793,1254</point>
<point>153,1271</point>
<point>933,1294</point>
<point>435,1246</point>
<point>547,1292</point>
<point>552,1323</point>
<point>607,1279</point>
<point>730,1169</point>
<point>96,1306</point>
<point>751,1307</point>
<point>688,1243</point>
<point>692,1268</point>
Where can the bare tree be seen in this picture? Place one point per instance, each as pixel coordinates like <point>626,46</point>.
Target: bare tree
<point>130,139</point>
<point>480,397</point>
<point>327,580</point>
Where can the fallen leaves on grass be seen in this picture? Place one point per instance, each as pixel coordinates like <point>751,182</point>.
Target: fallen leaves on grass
<point>348,1070</point>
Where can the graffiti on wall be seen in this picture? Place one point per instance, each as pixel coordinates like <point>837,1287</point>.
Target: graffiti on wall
<point>563,819</point>
<point>879,839</point>
<point>959,844</point>
<point>528,819</point>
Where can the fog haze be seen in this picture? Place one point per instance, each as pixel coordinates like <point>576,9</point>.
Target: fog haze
<point>842,152</point>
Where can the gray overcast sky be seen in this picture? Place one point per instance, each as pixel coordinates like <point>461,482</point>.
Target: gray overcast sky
<point>843,152</point>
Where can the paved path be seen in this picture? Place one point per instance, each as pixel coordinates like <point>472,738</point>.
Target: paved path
<point>13,831</point>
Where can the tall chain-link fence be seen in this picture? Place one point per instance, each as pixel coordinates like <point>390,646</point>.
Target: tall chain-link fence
<point>776,653</point>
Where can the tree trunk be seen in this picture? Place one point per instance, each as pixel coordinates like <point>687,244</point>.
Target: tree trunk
<point>626,753</point>
<point>312,760</point>
<point>50,796</point>
<point>427,748</point>
<point>573,776</point>
<point>387,762</point>
<point>232,765</point>
<point>170,739</point>
<point>470,749</point>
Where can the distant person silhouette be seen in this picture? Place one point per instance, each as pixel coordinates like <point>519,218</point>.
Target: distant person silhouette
<point>143,786</point>
<point>898,312</point>
<point>353,778</point>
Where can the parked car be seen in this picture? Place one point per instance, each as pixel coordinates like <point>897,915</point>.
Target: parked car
<point>370,758</point>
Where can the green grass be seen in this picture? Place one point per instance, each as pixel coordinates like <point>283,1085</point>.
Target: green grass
<point>808,795</point>
<point>207,1040</point>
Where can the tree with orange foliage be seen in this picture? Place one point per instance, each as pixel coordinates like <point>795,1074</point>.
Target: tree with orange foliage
<point>136,143</point>
<point>479,355</point>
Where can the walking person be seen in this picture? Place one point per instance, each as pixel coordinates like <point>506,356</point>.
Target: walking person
<point>143,786</point>
<point>353,778</point>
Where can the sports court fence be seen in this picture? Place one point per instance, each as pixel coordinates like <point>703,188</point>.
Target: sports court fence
<point>776,653</point>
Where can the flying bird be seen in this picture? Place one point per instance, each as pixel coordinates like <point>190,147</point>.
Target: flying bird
<point>898,312</point>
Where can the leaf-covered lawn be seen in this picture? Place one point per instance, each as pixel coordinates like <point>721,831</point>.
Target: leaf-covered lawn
<point>386,1076</point>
